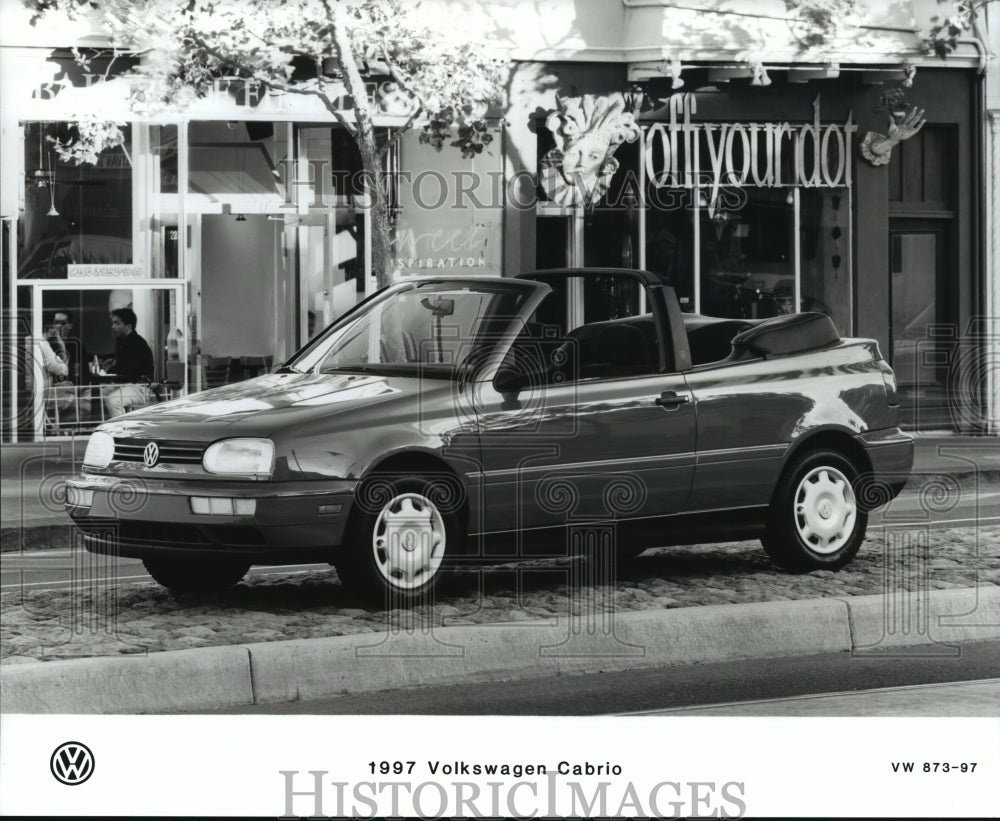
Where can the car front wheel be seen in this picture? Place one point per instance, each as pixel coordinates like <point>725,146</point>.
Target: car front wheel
<point>815,521</point>
<point>196,575</point>
<point>403,529</point>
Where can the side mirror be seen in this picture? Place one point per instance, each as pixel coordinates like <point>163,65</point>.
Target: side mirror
<point>511,379</point>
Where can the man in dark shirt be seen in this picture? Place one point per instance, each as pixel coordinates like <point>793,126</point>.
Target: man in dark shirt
<point>132,363</point>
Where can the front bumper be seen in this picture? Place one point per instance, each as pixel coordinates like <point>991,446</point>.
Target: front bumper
<point>293,522</point>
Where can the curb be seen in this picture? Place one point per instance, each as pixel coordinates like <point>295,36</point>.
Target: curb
<point>36,537</point>
<point>270,672</point>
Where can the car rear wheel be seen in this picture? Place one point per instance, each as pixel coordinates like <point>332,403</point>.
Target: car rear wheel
<point>815,522</point>
<point>402,530</point>
<point>190,575</point>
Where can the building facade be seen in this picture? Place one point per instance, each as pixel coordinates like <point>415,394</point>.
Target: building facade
<point>704,143</point>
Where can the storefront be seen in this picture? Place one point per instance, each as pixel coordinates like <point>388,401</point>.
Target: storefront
<point>755,200</point>
<point>235,232</point>
<point>754,186</point>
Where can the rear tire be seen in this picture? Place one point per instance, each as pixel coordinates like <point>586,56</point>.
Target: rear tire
<point>201,575</point>
<point>815,521</point>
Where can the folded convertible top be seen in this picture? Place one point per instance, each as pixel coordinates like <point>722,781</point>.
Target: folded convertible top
<point>786,334</point>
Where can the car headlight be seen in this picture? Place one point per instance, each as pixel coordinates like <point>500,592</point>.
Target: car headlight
<point>100,450</point>
<point>240,456</point>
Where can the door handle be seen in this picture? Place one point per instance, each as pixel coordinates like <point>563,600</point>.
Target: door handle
<point>670,399</point>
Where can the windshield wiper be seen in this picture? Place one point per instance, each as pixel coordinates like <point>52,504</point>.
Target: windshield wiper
<point>287,369</point>
<point>353,369</point>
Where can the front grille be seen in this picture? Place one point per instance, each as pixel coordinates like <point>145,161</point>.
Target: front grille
<point>172,452</point>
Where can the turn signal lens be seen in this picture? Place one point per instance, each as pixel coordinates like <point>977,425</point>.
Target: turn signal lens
<point>78,497</point>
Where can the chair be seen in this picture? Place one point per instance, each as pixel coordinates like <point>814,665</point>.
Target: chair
<point>217,371</point>
<point>255,365</point>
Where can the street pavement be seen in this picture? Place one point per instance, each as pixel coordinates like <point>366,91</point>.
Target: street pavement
<point>965,699</point>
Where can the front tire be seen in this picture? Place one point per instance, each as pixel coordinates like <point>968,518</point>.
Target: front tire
<point>402,530</point>
<point>815,522</point>
<point>196,575</point>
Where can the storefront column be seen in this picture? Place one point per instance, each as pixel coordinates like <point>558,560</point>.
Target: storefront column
<point>871,292</point>
<point>991,220</point>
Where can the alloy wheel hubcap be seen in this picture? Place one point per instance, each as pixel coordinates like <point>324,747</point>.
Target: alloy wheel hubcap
<point>408,541</point>
<point>825,510</point>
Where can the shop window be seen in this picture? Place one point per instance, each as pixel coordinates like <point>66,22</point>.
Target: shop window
<point>73,214</point>
<point>825,254</point>
<point>163,139</point>
<point>670,240</point>
<point>748,256</point>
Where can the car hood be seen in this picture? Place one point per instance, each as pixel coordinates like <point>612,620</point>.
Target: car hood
<point>248,401</point>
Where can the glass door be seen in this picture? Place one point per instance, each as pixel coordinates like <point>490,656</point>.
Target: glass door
<point>920,337</point>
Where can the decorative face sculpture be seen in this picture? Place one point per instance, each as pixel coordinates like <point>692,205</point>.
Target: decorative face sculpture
<point>587,132</point>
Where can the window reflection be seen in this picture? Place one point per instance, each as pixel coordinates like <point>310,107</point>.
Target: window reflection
<point>73,214</point>
<point>747,256</point>
<point>825,224</point>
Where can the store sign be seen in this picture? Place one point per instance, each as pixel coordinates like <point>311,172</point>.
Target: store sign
<point>101,271</point>
<point>466,249</point>
<point>685,154</point>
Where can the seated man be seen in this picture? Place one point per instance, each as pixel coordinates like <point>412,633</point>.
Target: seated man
<point>132,364</point>
<point>70,350</point>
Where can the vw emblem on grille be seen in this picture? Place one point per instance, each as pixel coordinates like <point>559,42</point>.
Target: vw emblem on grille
<point>151,455</point>
<point>72,763</point>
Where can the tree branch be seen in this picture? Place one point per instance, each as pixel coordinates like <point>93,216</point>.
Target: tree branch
<point>277,85</point>
<point>384,148</point>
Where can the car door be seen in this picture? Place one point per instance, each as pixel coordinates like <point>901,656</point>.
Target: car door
<point>608,435</point>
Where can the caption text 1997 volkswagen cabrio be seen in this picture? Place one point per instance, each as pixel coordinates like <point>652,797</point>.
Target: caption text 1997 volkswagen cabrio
<point>453,421</point>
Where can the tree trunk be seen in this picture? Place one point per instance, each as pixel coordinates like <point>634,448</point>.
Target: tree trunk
<point>375,183</point>
<point>376,186</point>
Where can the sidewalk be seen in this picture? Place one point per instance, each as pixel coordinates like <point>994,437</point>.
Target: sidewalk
<point>32,496</point>
<point>268,672</point>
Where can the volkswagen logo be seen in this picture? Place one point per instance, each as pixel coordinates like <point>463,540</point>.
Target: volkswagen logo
<point>72,763</point>
<point>151,455</point>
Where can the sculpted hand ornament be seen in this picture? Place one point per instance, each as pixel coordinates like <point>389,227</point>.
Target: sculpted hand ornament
<point>877,148</point>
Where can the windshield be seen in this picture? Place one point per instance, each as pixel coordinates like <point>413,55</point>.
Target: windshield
<point>429,329</point>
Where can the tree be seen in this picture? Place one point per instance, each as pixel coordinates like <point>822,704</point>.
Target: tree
<point>309,47</point>
<point>819,20</point>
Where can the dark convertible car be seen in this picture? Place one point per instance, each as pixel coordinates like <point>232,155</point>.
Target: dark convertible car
<point>453,421</point>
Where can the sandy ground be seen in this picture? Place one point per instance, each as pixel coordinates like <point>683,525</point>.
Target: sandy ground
<point>107,620</point>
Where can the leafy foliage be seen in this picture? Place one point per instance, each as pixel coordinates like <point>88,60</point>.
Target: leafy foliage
<point>445,77</point>
<point>942,38</point>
